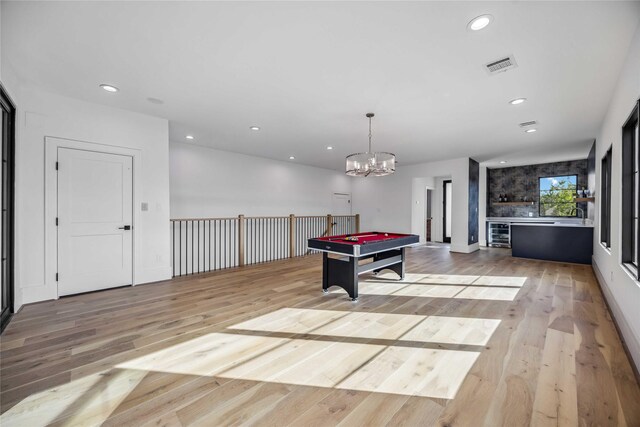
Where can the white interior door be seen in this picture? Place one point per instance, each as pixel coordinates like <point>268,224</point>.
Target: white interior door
<point>95,211</point>
<point>341,204</point>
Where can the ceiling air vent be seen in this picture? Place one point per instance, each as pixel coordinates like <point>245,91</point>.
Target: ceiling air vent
<point>525,124</point>
<point>503,64</point>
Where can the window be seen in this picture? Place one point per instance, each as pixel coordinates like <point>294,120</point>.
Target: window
<point>605,200</point>
<point>630,198</point>
<point>557,195</point>
<point>7,174</point>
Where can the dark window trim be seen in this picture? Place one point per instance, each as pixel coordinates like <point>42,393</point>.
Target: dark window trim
<point>8,238</point>
<point>630,235</point>
<point>540,202</point>
<point>605,197</point>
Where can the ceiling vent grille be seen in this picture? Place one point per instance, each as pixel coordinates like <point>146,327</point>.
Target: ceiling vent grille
<point>501,65</point>
<point>526,124</point>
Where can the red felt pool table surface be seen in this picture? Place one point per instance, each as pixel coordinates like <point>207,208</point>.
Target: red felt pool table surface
<point>366,237</point>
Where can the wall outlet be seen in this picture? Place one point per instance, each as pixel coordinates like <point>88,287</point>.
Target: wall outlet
<point>530,213</point>
<point>144,206</point>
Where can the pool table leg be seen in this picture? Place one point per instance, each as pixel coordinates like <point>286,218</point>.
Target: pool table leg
<point>325,273</point>
<point>337,272</point>
<point>352,281</point>
<point>398,268</point>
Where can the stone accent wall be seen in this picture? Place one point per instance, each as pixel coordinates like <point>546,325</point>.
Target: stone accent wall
<point>519,182</point>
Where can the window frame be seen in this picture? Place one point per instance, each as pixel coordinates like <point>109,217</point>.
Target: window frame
<point>630,235</point>
<point>7,240</point>
<point>540,214</point>
<point>605,198</point>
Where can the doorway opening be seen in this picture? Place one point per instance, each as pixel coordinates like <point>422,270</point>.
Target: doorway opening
<point>446,210</point>
<point>428,215</point>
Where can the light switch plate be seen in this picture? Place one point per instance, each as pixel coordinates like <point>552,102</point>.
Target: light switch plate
<point>144,206</point>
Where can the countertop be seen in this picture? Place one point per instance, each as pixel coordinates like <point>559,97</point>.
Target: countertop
<point>543,222</point>
<point>555,224</point>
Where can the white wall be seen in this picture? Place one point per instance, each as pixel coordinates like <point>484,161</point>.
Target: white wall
<point>622,290</point>
<point>42,114</point>
<point>213,183</point>
<point>386,203</point>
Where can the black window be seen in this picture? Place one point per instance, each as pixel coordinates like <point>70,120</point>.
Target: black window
<point>7,127</point>
<point>630,199</point>
<point>557,195</point>
<point>605,200</point>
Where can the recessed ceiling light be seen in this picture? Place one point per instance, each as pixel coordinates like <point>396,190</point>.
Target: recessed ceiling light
<point>291,158</point>
<point>254,128</point>
<point>479,22</point>
<point>531,130</point>
<point>329,148</point>
<point>517,101</point>
<point>502,162</point>
<point>109,88</point>
<point>189,136</point>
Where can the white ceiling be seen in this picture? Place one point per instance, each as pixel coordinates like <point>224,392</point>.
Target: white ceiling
<point>307,72</point>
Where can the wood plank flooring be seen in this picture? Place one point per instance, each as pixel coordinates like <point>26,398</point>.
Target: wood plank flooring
<point>479,339</point>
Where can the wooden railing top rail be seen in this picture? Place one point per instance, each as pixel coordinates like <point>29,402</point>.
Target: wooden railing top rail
<point>260,217</point>
<point>202,219</point>
<point>267,217</point>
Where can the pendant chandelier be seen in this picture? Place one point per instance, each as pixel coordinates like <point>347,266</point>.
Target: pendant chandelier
<point>371,163</point>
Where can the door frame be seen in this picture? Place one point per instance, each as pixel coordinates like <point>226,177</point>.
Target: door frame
<point>8,105</point>
<point>51,203</point>
<point>445,239</point>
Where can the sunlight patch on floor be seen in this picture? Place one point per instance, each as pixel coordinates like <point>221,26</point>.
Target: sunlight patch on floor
<point>207,355</point>
<point>409,327</point>
<point>85,401</point>
<point>453,330</point>
<point>452,279</point>
<point>414,372</point>
<point>430,291</point>
<point>500,288</point>
<point>367,367</point>
<point>500,281</point>
<point>335,323</point>
<point>500,294</point>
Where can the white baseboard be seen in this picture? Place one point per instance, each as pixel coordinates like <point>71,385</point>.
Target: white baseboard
<point>38,293</point>
<point>149,275</point>
<point>464,249</point>
<point>628,338</point>
<point>31,294</point>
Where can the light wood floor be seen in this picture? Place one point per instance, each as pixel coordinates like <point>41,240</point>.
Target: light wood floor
<point>464,340</point>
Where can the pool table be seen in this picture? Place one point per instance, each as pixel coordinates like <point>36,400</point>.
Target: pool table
<point>385,250</point>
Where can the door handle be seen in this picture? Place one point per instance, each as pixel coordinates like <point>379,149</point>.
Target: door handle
<point>126,228</point>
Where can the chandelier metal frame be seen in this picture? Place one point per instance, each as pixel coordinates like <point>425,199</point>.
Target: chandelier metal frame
<point>375,163</point>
